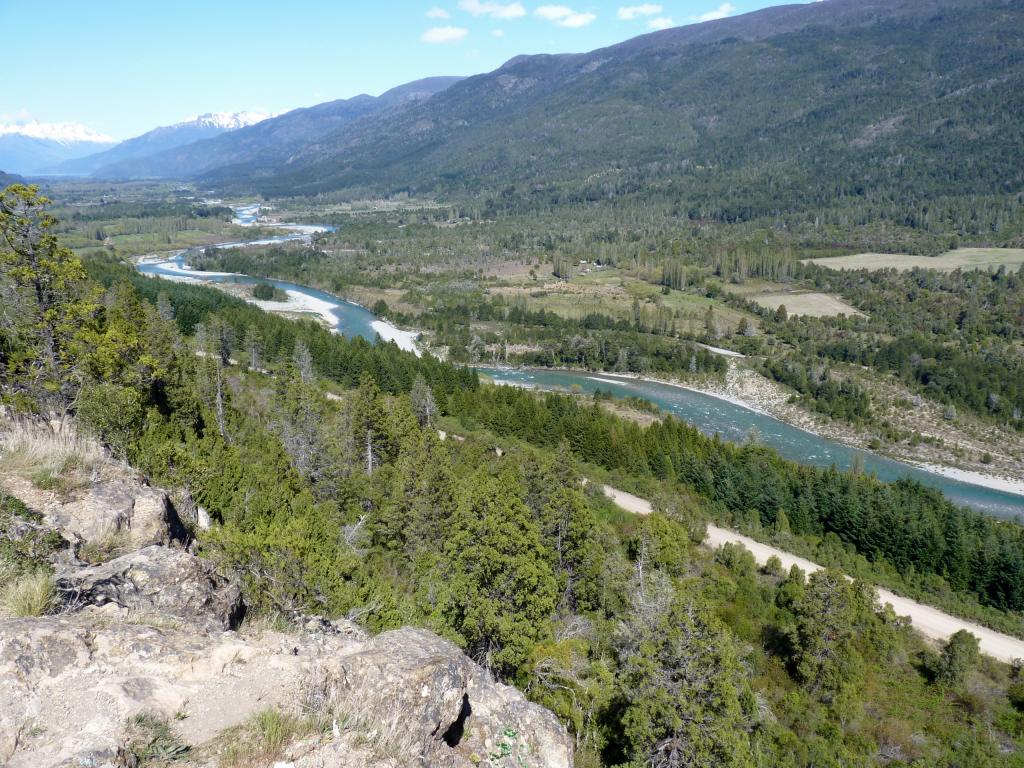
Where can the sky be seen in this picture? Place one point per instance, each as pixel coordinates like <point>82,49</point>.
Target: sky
<point>123,67</point>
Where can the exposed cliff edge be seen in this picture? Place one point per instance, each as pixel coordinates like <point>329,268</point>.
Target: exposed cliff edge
<point>146,661</point>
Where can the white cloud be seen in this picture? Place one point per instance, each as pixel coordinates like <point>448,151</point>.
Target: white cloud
<point>438,13</point>
<point>497,32</point>
<point>444,34</point>
<point>725,9</point>
<point>564,16</point>
<point>662,22</point>
<point>631,12</point>
<point>492,9</point>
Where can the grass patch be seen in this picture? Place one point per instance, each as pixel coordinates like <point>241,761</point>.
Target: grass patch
<point>809,304</point>
<point>961,258</point>
<point>26,594</point>
<point>262,739</point>
<point>24,544</point>
<point>59,461</point>
<point>152,740</point>
<point>103,550</point>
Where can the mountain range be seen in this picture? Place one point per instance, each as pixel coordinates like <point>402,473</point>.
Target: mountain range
<point>269,144</point>
<point>6,179</point>
<point>160,139</point>
<point>791,107</point>
<point>32,147</point>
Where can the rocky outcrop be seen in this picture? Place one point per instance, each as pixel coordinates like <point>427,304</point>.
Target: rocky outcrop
<point>153,636</point>
<point>156,582</point>
<point>462,717</point>
<point>134,513</point>
<point>72,685</point>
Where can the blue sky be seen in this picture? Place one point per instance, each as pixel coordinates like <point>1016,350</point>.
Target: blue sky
<point>125,66</point>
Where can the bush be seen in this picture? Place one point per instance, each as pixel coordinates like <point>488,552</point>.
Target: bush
<point>113,414</point>
<point>267,292</point>
<point>1015,693</point>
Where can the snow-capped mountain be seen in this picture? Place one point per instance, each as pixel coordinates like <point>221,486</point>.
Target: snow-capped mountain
<point>64,133</point>
<point>227,121</point>
<point>31,147</point>
<point>204,126</point>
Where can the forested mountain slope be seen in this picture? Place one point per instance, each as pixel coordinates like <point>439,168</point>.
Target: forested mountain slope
<point>787,108</point>
<point>161,139</point>
<point>271,142</point>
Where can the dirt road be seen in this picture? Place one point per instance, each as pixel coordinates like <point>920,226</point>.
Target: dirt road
<point>930,622</point>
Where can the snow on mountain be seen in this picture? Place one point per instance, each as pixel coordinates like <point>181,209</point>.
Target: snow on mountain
<point>62,133</point>
<point>164,138</point>
<point>227,121</point>
<point>32,147</point>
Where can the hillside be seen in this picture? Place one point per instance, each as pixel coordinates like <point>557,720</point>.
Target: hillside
<point>162,139</point>
<point>6,179</point>
<point>270,143</point>
<point>783,109</point>
<point>309,472</point>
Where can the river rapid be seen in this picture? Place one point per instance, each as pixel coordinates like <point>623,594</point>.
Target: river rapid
<point>712,415</point>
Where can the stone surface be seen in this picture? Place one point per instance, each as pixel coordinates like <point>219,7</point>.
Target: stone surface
<point>126,510</point>
<point>156,584</point>
<point>72,683</point>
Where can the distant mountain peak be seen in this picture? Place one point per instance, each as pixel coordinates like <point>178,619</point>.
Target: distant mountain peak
<point>228,121</point>
<point>63,133</point>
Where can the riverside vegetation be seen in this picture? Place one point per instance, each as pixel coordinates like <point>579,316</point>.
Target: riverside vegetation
<point>651,650</point>
<point>617,290</point>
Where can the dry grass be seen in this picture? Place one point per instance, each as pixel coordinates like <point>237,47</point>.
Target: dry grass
<point>261,740</point>
<point>361,721</point>
<point>104,549</point>
<point>962,258</point>
<point>369,719</point>
<point>28,594</point>
<point>810,304</point>
<point>54,459</point>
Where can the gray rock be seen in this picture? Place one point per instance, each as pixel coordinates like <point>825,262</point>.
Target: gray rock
<point>157,583</point>
<point>418,695</point>
<point>72,683</point>
<point>134,514</point>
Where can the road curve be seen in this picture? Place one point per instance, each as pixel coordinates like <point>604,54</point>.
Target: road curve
<point>930,622</point>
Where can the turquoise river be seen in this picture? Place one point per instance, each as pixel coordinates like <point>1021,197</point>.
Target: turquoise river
<point>709,414</point>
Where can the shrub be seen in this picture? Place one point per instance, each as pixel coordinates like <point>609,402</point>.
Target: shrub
<point>113,414</point>
<point>1015,693</point>
<point>153,741</point>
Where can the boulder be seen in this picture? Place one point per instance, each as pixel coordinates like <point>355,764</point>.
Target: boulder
<point>459,716</point>
<point>73,684</point>
<point>124,509</point>
<point>157,584</point>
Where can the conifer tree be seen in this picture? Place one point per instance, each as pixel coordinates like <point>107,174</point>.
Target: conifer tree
<point>500,591</point>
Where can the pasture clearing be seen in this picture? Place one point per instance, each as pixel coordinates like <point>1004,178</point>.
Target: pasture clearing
<point>809,303</point>
<point>962,258</point>
<point>611,292</point>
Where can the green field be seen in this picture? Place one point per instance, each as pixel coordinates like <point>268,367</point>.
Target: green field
<point>962,258</point>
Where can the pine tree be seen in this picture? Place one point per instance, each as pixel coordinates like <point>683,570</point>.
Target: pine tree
<point>500,589</point>
<point>824,657</point>
<point>46,307</point>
